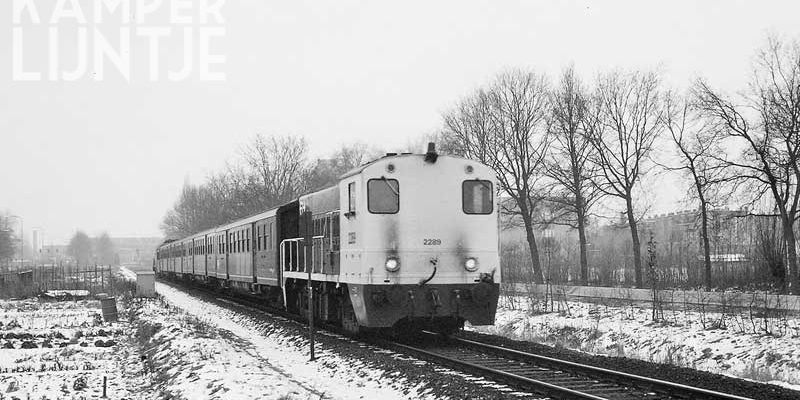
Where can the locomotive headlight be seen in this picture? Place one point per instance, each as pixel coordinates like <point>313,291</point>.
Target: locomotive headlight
<point>392,264</point>
<point>471,264</point>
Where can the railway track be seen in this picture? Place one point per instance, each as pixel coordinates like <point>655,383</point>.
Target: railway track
<point>552,377</point>
<point>556,378</point>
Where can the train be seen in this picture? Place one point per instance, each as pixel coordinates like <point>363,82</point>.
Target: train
<point>406,241</point>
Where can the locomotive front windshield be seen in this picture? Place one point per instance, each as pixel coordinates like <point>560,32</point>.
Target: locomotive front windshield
<point>383,196</point>
<point>476,197</point>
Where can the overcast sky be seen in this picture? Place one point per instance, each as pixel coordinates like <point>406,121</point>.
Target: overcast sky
<point>113,154</point>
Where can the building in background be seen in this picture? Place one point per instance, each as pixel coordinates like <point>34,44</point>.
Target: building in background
<point>132,250</point>
<point>37,243</point>
<point>53,253</point>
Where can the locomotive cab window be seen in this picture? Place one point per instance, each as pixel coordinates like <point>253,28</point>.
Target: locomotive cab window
<point>383,196</point>
<point>351,199</point>
<point>476,197</point>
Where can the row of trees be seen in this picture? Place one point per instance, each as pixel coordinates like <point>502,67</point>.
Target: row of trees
<point>86,250</point>
<point>567,145</point>
<point>750,248</point>
<point>8,241</point>
<point>270,170</point>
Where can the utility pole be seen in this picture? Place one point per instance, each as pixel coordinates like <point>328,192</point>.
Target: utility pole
<point>308,250</point>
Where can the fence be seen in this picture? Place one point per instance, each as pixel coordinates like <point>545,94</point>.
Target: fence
<point>42,278</point>
<point>675,297</point>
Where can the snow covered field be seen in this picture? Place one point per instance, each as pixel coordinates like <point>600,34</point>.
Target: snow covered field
<point>192,350</point>
<point>59,350</point>
<point>729,344</point>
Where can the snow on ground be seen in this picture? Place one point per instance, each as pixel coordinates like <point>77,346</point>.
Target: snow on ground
<point>59,350</point>
<point>738,347</point>
<point>187,358</point>
<point>247,358</point>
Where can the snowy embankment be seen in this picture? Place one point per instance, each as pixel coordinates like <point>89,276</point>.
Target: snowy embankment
<point>208,351</point>
<point>734,347</point>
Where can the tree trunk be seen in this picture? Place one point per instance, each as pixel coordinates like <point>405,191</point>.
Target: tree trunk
<point>791,252</point>
<point>582,244</point>
<point>637,251</point>
<point>537,267</point>
<point>706,243</point>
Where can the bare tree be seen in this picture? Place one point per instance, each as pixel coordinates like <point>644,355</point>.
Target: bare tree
<point>195,210</point>
<point>80,248</point>
<point>504,126</point>
<point>274,171</point>
<point>7,247</point>
<point>326,172</point>
<point>701,159</point>
<point>352,155</point>
<point>625,122</point>
<point>568,164</point>
<point>279,163</point>
<point>768,127</point>
<point>239,192</point>
<point>104,249</point>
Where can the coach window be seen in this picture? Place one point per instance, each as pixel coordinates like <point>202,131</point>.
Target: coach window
<point>269,237</point>
<point>383,196</point>
<point>476,197</point>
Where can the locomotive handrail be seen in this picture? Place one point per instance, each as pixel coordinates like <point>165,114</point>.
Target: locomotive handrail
<point>293,246</point>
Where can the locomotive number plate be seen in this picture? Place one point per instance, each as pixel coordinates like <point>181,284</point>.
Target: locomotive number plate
<point>431,242</point>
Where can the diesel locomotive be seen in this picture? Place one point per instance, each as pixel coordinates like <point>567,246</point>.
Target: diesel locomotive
<point>407,241</point>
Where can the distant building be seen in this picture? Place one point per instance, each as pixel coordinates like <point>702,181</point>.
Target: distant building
<point>37,242</point>
<point>135,250</point>
<point>128,250</point>
<point>729,231</point>
<point>53,253</point>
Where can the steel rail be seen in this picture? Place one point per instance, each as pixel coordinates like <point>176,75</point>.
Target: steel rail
<point>605,373</point>
<point>549,388</point>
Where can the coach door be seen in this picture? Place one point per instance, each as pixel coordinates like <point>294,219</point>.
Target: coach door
<point>331,243</point>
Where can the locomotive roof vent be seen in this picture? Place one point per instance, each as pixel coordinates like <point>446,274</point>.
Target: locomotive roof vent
<point>431,156</point>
